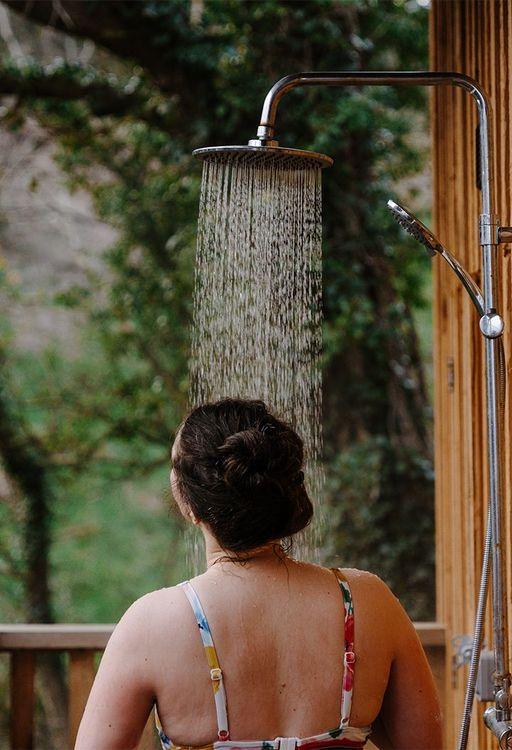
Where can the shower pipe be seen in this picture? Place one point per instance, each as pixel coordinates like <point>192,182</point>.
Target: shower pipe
<point>491,234</point>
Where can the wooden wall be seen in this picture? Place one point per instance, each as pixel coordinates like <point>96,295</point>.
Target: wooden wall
<point>472,37</point>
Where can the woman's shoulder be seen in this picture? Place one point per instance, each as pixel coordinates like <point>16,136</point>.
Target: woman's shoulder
<point>167,605</point>
<point>368,589</point>
<point>367,578</point>
<point>154,608</point>
<point>360,578</point>
<point>373,598</point>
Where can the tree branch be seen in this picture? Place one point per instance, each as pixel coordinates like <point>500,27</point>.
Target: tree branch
<point>65,82</point>
<point>152,36</point>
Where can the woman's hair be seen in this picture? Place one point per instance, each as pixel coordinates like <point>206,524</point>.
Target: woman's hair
<point>239,469</point>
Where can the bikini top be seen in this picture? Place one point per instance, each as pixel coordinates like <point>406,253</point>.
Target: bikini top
<point>341,737</point>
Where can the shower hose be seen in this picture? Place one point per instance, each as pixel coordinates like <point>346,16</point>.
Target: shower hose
<point>484,579</point>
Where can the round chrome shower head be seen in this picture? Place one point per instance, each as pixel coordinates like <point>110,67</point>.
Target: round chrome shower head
<point>415,227</point>
<point>265,156</point>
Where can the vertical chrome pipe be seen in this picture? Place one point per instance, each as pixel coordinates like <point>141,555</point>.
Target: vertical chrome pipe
<point>491,323</point>
<point>491,326</point>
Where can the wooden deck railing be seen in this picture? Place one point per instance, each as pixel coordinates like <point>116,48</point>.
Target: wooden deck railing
<point>81,642</point>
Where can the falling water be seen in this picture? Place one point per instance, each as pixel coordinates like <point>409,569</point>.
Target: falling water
<point>257,307</point>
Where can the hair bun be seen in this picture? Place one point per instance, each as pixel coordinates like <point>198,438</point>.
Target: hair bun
<point>239,468</point>
<point>246,457</point>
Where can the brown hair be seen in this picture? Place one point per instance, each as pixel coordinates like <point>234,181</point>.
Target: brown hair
<point>239,468</point>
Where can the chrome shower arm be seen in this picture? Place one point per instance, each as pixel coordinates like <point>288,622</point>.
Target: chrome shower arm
<point>267,126</point>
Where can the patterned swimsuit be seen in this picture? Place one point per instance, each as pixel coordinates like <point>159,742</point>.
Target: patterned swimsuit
<point>342,737</point>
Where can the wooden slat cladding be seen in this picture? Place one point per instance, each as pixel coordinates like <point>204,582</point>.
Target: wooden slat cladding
<point>472,37</point>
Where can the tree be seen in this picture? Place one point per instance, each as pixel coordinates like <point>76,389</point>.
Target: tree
<point>185,79</point>
<point>167,77</point>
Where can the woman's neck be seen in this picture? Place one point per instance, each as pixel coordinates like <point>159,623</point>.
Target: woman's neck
<point>272,552</point>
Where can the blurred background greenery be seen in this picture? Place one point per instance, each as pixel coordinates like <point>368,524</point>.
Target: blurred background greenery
<point>102,105</point>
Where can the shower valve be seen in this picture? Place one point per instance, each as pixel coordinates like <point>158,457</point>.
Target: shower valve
<point>502,730</point>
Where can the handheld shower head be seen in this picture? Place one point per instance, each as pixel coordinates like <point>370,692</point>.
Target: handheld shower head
<point>414,227</point>
<point>420,232</point>
<point>264,156</point>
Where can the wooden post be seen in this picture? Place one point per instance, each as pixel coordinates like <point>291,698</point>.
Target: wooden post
<point>81,678</point>
<point>22,700</point>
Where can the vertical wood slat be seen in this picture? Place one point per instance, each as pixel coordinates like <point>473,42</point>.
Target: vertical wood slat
<point>472,37</point>
<point>81,678</point>
<point>22,700</point>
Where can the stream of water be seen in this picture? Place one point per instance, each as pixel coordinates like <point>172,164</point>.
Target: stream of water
<point>257,308</point>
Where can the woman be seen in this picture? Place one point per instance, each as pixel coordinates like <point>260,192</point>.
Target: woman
<point>282,643</point>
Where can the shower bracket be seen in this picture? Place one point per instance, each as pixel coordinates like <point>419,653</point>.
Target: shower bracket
<point>504,235</point>
<point>489,229</point>
<point>491,324</point>
<point>491,233</point>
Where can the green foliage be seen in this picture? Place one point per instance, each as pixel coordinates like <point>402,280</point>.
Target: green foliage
<point>106,417</point>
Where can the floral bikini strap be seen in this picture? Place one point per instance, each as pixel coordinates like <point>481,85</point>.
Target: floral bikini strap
<point>219,693</point>
<point>349,656</point>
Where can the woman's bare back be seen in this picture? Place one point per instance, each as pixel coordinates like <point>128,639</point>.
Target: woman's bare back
<point>279,634</point>
<point>278,631</point>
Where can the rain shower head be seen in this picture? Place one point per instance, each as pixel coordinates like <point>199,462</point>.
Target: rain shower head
<point>415,227</point>
<point>265,156</point>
